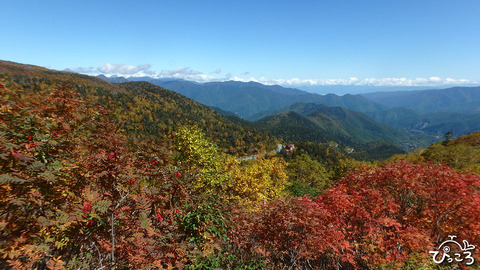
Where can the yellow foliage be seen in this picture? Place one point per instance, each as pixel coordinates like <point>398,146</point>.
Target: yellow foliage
<point>199,154</point>
<point>255,182</point>
<point>223,175</point>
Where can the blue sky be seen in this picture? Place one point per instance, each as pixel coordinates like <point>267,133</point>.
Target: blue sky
<point>290,43</point>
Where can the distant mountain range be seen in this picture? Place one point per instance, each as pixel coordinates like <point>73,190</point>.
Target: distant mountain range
<point>147,110</point>
<point>433,123</point>
<point>433,111</point>
<point>298,122</point>
<point>455,99</point>
<point>113,79</point>
<point>253,101</point>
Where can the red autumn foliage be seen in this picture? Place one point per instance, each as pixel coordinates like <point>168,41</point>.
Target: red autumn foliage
<point>79,191</point>
<point>374,216</point>
<point>411,208</point>
<point>87,206</point>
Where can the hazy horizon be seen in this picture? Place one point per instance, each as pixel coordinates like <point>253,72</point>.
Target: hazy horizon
<point>332,89</point>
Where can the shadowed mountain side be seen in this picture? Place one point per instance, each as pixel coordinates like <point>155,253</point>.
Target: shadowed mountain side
<point>455,99</point>
<point>323,129</point>
<point>435,123</point>
<point>292,126</point>
<point>344,122</point>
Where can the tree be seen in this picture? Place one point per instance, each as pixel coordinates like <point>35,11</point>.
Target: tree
<point>256,182</point>
<point>198,155</point>
<point>448,137</point>
<point>306,175</point>
<point>38,205</point>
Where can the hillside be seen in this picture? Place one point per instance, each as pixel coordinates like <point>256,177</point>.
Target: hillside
<point>145,109</point>
<point>472,139</point>
<point>462,153</point>
<point>253,100</point>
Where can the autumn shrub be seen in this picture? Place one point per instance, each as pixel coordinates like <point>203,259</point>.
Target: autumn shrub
<point>371,218</point>
<point>292,232</point>
<point>457,155</point>
<point>425,204</point>
<point>72,196</point>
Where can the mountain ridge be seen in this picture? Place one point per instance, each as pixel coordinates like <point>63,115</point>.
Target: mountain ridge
<point>252,100</point>
<point>454,99</point>
<point>354,125</point>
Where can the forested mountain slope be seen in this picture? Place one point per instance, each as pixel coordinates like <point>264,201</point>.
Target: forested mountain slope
<point>144,108</point>
<point>352,132</point>
<point>356,125</point>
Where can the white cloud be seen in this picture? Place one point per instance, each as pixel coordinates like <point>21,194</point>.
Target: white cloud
<point>126,70</point>
<point>110,69</point>
<point>89,70</point>
<point>187,73</point>
<point>179,72</point>
<point>431,81</point>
